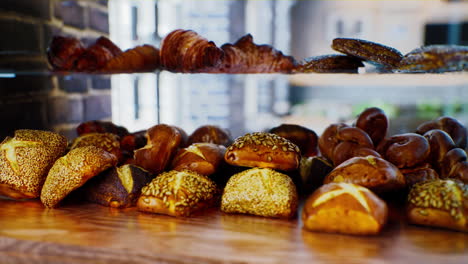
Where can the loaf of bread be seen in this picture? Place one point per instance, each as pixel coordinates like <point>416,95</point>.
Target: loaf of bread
<point>262,192</point>
<point>344,208</point>
<point>72,171</point>
<point>117,187</point>
<point>178,193</point>
<point>25,160</point>
<point>203,158</point>
<point>264,150</point>
<point>439,203</point>
<point>371,172</point>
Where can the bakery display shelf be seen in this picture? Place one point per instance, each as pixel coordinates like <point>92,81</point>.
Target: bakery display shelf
<point>88,233</point>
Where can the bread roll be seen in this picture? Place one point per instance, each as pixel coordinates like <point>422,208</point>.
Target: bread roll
<point>203,158</point>
<point>371,172</point>
<point>344,208</point>
<point>374,122</point>
<point>264,150</point>
<point>439,203</point>
<point>262,192</point>
<point>72,171</point>
<point>178,193</point>
<point>210,134</point>
<point>452,126</point>
<point>106,141</point>
<point>25,161</point>
<point>304,138</point>
<point>405,150</point>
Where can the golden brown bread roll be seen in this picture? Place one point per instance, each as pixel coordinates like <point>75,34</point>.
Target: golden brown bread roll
<point>210,134</point>
<point>107,141</point>
<point>25,161</point>
<point>263,150</point>
<point>72,171</point>
<point>439,203</point>
<point>262,192</point>
<point>371,172</point>
<point>178,193</point>
<point>117,187</point>
<point>156,155</point>
<point>203,158</point>
<point>304,138</point>
<point>344,208</point>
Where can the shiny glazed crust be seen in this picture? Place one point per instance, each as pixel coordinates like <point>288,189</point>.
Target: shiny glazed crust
<point>304,138</point>
<point>107,141</point>
<point>203,158</point>
<point>210,134</point>
<point>344,208</point>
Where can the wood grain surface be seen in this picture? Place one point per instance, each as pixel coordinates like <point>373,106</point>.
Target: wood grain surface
<point>88,233</point>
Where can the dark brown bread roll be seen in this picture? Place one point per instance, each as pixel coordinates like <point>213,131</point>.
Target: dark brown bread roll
<point>439,203</point>
<point>156,155</point>
<point>203,158</point>
<point>262,192</point>
<point>439,143</point>
<point>405,150</point>
<point>63,52</point>
<point>368,51</point>
<point>344,208</point>
<point>304,138</point>
<point>329,64</point>
<point>210,134</point>
<point>454,165</point>
<point>25,161</point>
<point>375,123</point>
<point>118,187</point>
<point>72,171</point>
<point>419,174</point>
<point>453,127</point>
<point>264,150</point>
<point>371,172</point>
<point>96,126</point>
<point>178,193</point>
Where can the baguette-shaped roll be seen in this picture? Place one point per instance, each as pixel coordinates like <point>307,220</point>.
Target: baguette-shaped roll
<point>72,171</point>
<point>262,192</point>
<point>439,203</point>
<point>178,193</point>
<point>344,208</point>
<point>371,172</point>
<point>25,160</point>
<point>264,150</point>
<point>203,158</point>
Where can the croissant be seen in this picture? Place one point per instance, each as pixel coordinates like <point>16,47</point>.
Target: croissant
<point>63,52</point>
<point>245,56</point>
<point>96,56</point>
<point>186,51</point>
<point>139,59</point>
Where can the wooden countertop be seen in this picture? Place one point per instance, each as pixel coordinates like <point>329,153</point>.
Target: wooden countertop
<point>89,233</point>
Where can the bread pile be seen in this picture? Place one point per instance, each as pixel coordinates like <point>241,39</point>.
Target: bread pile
<point>185,51</point>
<point>349,174</point>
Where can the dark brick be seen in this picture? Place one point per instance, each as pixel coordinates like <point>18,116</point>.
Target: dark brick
<point>19,37</point>
<point>100,82</point>
<point>98,20</point>
<point>22,115</point>
<point>49,31</point>
<point>64,110</point>
<point>76,83</point>
<point>97,107</point>
<point>71,13</point>
<point>35,8</point>
<point>103,2</point>
<point>12,63</point>
<point>25,85</point>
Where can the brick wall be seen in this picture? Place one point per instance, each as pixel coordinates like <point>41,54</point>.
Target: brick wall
<point>35,98</point>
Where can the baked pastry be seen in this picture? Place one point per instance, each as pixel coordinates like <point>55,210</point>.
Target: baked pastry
<point>368,51</point>
<point>107,141</point>
<point>371,172</point>
<point>203,158</point>
<point>435,58</point>
<point>439,203</point>
<point>63,52</point>
<point>117,187</point>
<point>405,150</point>
<point>143,58</point>
<point>263,150</point>
<point>313,171</point>
<point>133,141</point>
<point>245,56</point>
<point>374,122</point>
<point>210,134</point>
<point>262,192</point>
<point>178,193</point>
<point>453,127</point>
<point>454,165</point>
<point>439,144</point>
<point>72,171</point>
<point>419,174</point>
<point>330,64</point>
<point>25,160</point>
<point>94,58</point>
<point>156,155</point>
<point>96,126</point>
<point>304,138</point>
<point>186,51</point>
<point>344,208</point>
